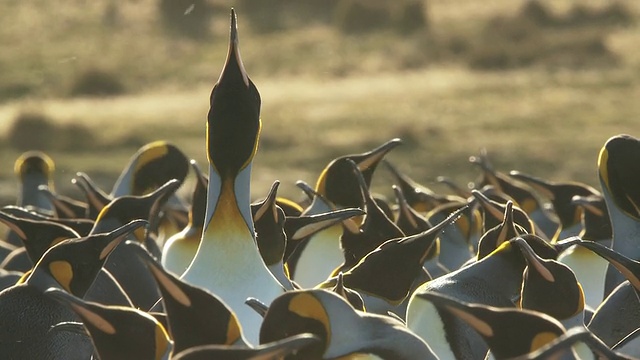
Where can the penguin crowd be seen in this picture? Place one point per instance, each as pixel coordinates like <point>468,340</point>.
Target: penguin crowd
<point>519,267</point>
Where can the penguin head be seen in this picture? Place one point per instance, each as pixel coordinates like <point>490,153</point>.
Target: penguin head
<point>269,220</point>
<point>126,208</point>
<point>502,232</point>
<point>350,295</point>
<point>75,263</point>
<point>619,172</point>
<point>37,235</point>
<point>338,183</point>
<point>97,199</point>
<point>298,312</point>
<point>595,217</point>
<point>549,286</point>
<point>233,124</point>
<point>34,163</point>
<point>151,167</point>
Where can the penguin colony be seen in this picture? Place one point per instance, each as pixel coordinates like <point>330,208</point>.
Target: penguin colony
<point>517,268</point>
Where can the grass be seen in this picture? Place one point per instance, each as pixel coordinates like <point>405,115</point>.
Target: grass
<point>324,95</point>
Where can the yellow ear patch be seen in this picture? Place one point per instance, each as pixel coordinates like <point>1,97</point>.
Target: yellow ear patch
<point>233,329</point>
<point>505,246</point>
<point>140,233</point>
<point>580,306</point>
<point>153,151</point>
<point>603,159</point>
<point>541,340</point>
<point>308,306</point>
<point>103,212</point>
<point>63,273</point>
<point>464,225</point>
<point>161,341</point>
<point>321,187</point>
<point>528,205</point>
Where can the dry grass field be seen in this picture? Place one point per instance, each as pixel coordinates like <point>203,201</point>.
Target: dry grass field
<point>542,95</point>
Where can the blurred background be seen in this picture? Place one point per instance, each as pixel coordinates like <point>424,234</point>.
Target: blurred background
<point>541,85</point>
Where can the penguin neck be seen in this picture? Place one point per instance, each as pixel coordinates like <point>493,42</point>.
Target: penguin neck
<point>30,195</point>
<point>41,280</point>
<point>229,195</point>
<point>625,229</point>
<point>123,184</point>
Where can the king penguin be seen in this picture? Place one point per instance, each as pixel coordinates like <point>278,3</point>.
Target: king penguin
<point>474,283</point>
<point>34,168</point>
<point>344,331</point>
<point>551,287</point>
<point>337,187</point>
<point>508,332</point>
<point>228,262</point>
<point>27,314</point>
<point>117,332</point>
<point>619,174</point>
<point>268,219</point>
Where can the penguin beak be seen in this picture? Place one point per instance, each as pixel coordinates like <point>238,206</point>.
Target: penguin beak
<point>268,203</point>
<point>628,267</point>
<point>234,50</point>
<point>315,223</point>
<point>533,260</point>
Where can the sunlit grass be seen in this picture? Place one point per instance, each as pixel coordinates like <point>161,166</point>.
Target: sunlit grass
<point>324,95</point>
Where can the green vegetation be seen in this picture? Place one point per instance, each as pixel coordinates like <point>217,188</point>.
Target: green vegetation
<point>540,87</point>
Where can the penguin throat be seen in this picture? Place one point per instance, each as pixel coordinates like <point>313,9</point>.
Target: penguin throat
<point>227,220</point>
